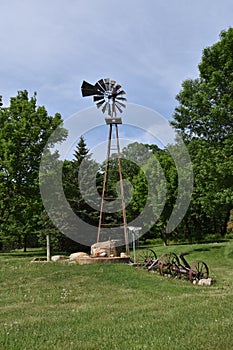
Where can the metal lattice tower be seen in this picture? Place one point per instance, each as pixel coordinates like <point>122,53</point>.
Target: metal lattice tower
<point>109,96</point>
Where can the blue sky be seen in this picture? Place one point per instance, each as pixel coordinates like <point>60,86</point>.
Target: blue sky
<point>149,47</point>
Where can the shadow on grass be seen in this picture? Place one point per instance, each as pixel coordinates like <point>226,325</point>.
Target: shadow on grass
<point>206,249</point>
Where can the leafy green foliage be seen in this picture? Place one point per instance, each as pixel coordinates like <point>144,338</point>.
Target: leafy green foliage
<point>24,132</point>
<point>206,104</point>
<point>204,118</point>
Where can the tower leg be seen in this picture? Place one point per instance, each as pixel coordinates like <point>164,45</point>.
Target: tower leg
<point>105,181</point>
<point>121,187</point>
<point>122,193</point>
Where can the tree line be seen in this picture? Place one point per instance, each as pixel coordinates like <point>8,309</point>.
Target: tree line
<point>204,120</point>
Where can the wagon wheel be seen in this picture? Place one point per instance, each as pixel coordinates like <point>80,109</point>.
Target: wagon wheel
<point>174,259</point>
<point>170,258</point>
<point>163,263</point>
<point>146,257</point>
<point>198,270</point>
<point>169,265</point>
<point>164,268</point>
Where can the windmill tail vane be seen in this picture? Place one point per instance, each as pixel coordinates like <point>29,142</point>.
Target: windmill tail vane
<point>107,95</point>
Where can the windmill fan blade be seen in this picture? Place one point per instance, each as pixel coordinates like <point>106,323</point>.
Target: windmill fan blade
<point>122,92</point>
<point>112,83</point>
<point>119,109</point>
<point>118,86</point>
<point>107,83</point>
<point>121,104</point>
<point>121,98</point>
<point>99,104</point>
<point>101,85</point>
<point>104,107</point>
<point>88,89</point>
<point>98,98</point>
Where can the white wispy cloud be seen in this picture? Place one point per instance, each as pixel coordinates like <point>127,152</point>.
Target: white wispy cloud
<point>149,47</point>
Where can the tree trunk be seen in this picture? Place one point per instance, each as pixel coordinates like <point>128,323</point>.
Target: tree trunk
<point>224,228</point>
<point>165,236</point>
<point>25,243</point>
<point>187,232</point>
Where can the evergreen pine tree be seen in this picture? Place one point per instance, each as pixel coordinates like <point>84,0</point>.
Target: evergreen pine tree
<point>81,151</point>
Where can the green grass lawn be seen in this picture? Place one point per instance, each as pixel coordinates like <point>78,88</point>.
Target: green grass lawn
<point>61,306</point>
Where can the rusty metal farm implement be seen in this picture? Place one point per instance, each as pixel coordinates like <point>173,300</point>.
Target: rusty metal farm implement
<point>172,265</point>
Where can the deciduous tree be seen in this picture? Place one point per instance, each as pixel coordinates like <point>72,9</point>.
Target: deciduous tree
<point>204,117</point>
<point>24,132</point>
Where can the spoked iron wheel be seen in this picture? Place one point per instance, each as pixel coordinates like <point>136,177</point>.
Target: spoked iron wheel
<point>198,270</point>
<point>169,265</point>
<point>146,257</point>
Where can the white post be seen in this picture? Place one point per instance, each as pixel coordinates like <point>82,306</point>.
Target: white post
<point>134,248</point>
<point>48,247</point>
<point>134,231</point>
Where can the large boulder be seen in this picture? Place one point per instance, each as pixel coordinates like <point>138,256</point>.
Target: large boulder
<point>74,256</point>
<point>205,282</point>
<point>107,248</point>
<point>58,257</point>
<point>99,252</point>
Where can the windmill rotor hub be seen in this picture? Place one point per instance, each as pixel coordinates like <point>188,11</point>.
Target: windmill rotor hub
<point>108,95</point>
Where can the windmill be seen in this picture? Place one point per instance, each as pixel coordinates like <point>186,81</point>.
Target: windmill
<point>109,96</point>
